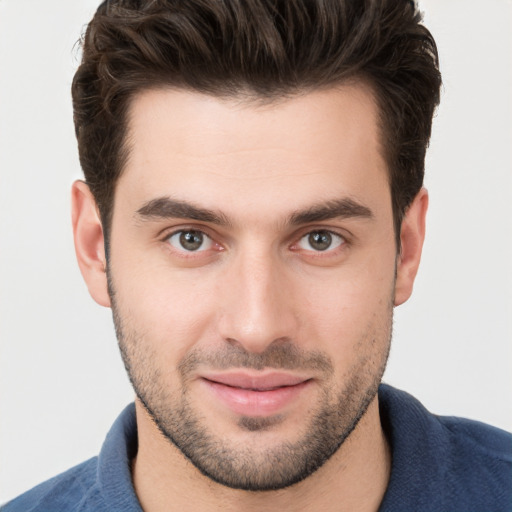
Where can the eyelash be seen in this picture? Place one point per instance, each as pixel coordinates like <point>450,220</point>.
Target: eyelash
<point>334,239</point>
<point>194,254</point>
<point>205,238</point>
<point>342,243</point>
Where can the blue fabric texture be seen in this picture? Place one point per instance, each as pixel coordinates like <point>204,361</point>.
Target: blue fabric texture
<point>440,464</point>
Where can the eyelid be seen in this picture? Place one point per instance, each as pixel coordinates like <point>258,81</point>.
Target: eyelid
<point>166,233</point>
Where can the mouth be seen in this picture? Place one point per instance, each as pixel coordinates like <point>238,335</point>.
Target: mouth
<point>255,395</point>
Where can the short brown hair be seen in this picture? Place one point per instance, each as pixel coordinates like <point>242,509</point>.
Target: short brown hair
<point>266,49</point>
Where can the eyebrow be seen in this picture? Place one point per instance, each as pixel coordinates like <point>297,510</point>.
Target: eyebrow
<point>335,209</point>
<point>167,208</point>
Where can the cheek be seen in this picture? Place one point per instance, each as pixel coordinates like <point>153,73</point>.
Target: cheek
<point>349,310</point>
<point>170,311</point>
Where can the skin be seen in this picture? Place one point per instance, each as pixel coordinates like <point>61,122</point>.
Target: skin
<point>257,285</point>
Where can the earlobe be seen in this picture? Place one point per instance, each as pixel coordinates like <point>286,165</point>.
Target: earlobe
<point>412,235</point>
<point>89,242</point>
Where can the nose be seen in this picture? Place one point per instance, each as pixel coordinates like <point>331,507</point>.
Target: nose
<point>257,307</point>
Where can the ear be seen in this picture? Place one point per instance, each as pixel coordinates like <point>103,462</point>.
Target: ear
<point>412,235</point>
<point>89,242</point>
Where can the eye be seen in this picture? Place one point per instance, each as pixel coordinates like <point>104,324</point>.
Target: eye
<point>190,240</point>
<point>320,240</point>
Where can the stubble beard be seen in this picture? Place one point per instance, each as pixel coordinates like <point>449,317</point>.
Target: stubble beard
<point>245,467</point>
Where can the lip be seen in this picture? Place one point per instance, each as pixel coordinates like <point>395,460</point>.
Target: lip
<point>255,381</point>
<point>255,395</point>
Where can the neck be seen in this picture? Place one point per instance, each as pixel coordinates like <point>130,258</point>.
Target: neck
<point>353,479</point>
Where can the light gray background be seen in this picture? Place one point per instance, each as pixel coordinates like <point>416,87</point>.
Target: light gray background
<point>61,380</point>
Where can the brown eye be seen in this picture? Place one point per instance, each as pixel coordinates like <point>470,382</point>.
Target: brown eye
<point>190,240</point>
<point>321,240</point>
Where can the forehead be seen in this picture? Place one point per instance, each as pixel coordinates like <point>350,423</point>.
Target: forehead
<point>231,152</point>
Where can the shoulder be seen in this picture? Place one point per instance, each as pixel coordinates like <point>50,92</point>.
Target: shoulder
<point>100,484</point>
<point>75,489</point>
<point>480,438</point>
<point>444,463</point>
<point>479,459</point>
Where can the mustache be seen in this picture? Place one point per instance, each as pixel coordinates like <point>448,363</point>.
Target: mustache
<point>283,355</point>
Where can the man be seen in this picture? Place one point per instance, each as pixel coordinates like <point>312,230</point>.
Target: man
<point>252,212</point>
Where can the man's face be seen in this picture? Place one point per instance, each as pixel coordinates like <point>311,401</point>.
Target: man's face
<point>252,273</point>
